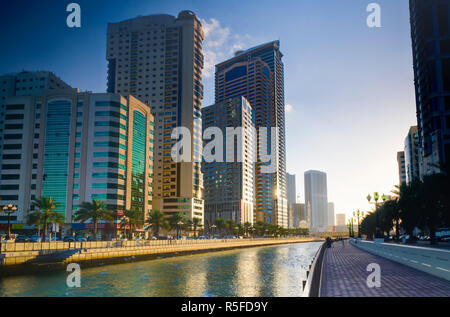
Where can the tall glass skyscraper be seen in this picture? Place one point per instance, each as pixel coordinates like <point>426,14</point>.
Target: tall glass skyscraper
<point>316,199</point>
<point>158,59</point>
<point>257,74</point>
<point>430,34</point>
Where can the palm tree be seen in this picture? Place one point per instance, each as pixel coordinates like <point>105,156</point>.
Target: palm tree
<point>157,220</point>
<point>132,219</point>
<point>45,214</point>
<point>220,223</point>
<point>95,211</point>
<point>196,223</point>
<point>247,227</point>
<point>177,221</point>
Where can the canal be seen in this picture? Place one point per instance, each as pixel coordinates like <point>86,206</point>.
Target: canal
<point>258,271</point>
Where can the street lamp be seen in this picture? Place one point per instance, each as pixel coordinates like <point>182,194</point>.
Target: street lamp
<point>179,224</point>
<point>357,215</point>
<point>213,227</point>
<point>376,197</point>
<point>10,208</point>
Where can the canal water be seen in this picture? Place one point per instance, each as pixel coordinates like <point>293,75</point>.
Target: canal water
<point>260,271</point>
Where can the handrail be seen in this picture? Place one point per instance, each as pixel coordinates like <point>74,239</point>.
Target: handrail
<point>314,274</point>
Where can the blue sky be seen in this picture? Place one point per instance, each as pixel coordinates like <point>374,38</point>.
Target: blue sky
<point>348,88</point>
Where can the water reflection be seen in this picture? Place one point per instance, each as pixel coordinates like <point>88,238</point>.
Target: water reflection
<point>262,271</point>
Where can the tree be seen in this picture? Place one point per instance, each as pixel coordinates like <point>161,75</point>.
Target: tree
<point>44,214</point>
<point>388,211</point>
<point>177,221</point>
<point>368,225</point>
<point>220,223</point>
<point>247,228</point>
<point>194,224</point>
<point>132,219</point>
<point>95,211</point>
<point>157,220</point>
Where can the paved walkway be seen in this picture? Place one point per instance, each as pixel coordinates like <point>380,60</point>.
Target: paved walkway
<point>344,275</point>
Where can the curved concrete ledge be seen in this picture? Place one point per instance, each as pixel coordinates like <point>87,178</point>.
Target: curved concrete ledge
<point>433,261</point>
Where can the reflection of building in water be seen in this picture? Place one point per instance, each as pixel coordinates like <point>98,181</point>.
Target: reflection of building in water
<point>248,275</point>
<point>196,279</point>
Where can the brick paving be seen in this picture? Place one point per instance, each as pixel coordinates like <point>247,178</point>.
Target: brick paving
<point>344,275</point>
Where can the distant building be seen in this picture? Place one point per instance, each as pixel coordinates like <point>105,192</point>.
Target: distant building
<point>340,219</point>
<point>291,196</point>
<point>430,39</point>
<point>412,155</point>
<point>76,147</point>
<point>291,191</point>
<point>401,167</point>
<point>230,186</point>
<point>316,198</point>
<point>298,214</point>
<point>331,214</point>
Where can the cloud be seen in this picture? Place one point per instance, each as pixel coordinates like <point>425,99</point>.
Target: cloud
<point>289,108</point>
<point>220,44</point>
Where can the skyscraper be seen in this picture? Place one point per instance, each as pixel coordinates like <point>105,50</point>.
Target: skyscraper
<point>76,147</point>
<point>159,60</point>
<point>331,221</point>
<point>430,34</point>
<point>257,74</point>
<point>412,155</point>
<point>291,197</point>
<point>229,185</point>
<point>401,167</point>
<point>316,197</point>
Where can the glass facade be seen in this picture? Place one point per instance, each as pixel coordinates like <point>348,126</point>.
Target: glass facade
<point>138,160</point>
<point>56,152</point>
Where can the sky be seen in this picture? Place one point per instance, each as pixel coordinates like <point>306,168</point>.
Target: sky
<point>349,89</point>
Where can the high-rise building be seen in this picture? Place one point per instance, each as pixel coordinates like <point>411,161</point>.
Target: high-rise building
<point>401,167</point>
<point>25,83</point>
<point>159,60</point>
<point>77,147</point>
<point>291,197</point>
<point>291,191</point>
<point>412,155</point>
<point>316,197</point>
<point>229,184</point>
<point>430,34</point>
<point>331,221</point>
<point>257,74</point>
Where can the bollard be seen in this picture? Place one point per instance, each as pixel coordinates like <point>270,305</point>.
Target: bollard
<point>307,274</point>
<point>303,284</point>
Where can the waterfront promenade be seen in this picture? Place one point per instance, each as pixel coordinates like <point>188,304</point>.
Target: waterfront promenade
<point>344,275</point>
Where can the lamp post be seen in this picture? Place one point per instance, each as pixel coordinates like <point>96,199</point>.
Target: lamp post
<point>179,224</point>
<point>358,214</point>
<point>376,196</point>
<point>10,208</point>
<point>213,227</point>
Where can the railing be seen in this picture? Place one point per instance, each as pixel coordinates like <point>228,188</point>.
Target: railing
<point>311,287</point>
<point>430,260</point>
<point>60,245</point>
